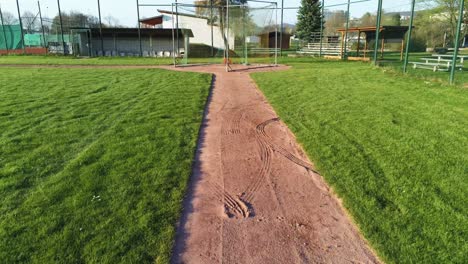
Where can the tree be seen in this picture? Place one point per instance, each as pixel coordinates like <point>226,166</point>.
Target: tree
<point>368,20</point>
<point>31,22</point>
<point>112,21</point>
<point>9,18</point>
<point>393,19</point>
<point>74,19</point>
<point>447,11</point>
<point>337,19</point>
<point>309,19</point>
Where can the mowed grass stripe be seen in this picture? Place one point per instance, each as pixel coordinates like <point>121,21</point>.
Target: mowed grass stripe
<point>393,147</point>
<point>94,163</point>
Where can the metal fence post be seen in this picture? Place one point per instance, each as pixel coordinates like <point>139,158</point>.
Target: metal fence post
<point>42,25</point>
<point>345,54</point>
<point>100,26</point>
<point>282,27</point>
<point>377,31</point>
<point>139,28</point>
<point>227,36</point>
<point>276,34</point>
<point>457,42</point>
<point>21,27</point>
<point>321,27</point>
<point>408,40</point>
<point>212,30</point>
<point>61,27</point>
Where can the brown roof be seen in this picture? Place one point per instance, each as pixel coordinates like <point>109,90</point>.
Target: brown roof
<point>369,29</point>
<point>152,21</point>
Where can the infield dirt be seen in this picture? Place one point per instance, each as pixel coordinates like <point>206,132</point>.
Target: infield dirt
<point>254,196</point>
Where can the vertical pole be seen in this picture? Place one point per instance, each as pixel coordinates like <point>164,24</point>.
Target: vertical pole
<point>139,28</point>
<point>377,31</point>
<point>276,35</point>
<point>3,29</point>
<point>408,40</point>
<point>246,62</point>
<point>402,49</point>
<point>282,26</point>
<point>61,27</point>
<point>21,27</point>
<point>173,37</point>
<point>358,51</point>
<point>100,26</point>
<point>42,25</point>
<point>227,36</point>
<point>212,31</point>
<point>321,28</point>
<point>382,48</point>
<point>177,25</point>
<point>345,55</point>
<point>457,42</point>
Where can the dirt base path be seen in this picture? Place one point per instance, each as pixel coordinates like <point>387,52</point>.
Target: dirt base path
<point>254,196</point>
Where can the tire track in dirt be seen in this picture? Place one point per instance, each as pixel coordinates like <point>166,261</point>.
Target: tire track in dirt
<point>265,169</point>
<point>234,206</point>
<point>231,126</point>
<point>258,199</point>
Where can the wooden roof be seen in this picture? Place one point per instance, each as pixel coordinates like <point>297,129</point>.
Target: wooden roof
<point>373,29</point>
<point>152,21</point>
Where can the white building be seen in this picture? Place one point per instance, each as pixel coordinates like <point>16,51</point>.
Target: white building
<point>199,25</point>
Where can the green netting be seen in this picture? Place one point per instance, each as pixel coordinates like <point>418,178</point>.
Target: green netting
<point>33,40</point>
<point>13,37</point>
<point>58,38</point>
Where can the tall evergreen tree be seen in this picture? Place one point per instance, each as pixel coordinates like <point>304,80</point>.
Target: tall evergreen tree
<point>308,19</point>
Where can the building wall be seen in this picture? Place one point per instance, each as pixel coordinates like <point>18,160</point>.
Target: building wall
<point>201,30</point>
<point>127,46</point>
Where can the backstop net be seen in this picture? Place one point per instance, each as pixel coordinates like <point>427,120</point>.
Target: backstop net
<point>232,33</point>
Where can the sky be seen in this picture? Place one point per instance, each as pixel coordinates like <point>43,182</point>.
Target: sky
<point>126,12</point>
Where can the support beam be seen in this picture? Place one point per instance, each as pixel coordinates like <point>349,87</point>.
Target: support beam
<point>408,39</point>
<point>42,25</point>
<point>321,28</point>
<point>346,33</point>
<point>377,31</point>
<point>276,36</point>
<point>21,27</point>
<point>358,44</point>
<point>282,27</point>
<point>100,26</point>
<point>457,41</point>
<point>61,27</point>
<point>212,29</point>
<point>139,28</point>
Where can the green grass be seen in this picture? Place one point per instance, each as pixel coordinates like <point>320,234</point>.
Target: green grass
<point>94,163</point>
<point>393,147</point>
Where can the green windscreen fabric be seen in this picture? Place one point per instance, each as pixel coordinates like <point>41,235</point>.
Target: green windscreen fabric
<point>33,40</point>
<point>13,37</point>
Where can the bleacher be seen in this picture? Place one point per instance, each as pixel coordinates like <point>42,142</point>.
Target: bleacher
<point>329,46</point>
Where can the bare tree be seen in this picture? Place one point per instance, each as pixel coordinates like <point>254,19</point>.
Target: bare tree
<point>112,21</point>
<point>9,18</point>
<point>31,22</point>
